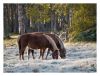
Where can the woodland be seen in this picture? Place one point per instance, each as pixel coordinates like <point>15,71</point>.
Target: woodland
<point>74,22</point>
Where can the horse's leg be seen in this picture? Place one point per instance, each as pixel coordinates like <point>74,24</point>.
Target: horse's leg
<point>29,53</point>
<point>33,54</point>
<point>47,53</point>
<point>23,55</point>
<point>22,52</point>
<point>20,56</point>
<point>43,50</point>
<point>40,53</point>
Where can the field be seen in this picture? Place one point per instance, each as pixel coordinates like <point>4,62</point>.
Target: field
<point>80,58</point>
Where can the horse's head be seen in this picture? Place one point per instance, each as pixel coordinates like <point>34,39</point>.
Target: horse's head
<point>62,53</point>
<point>55,54</point>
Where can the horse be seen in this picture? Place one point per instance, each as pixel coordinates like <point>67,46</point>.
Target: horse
<point>37,41</point>
<point>58,42</point>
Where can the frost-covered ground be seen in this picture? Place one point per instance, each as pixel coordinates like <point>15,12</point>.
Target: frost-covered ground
<point>80,57</point>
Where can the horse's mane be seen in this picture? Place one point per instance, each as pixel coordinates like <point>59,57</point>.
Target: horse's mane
<point>60,42</point>
<point>61,45</point>
<point>51,41</point>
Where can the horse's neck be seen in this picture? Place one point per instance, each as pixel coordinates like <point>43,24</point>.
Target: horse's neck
<point>51,41</point>
<point>60,42</point>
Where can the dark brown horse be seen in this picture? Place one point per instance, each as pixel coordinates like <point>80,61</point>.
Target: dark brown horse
<point>37,41</point>
<point>58,42</point>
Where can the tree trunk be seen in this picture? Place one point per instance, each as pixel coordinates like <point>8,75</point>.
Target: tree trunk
<point>31,24</point>
<point>55,21</point>
<point>15,18</point>
<point>6,20</point>
<point>21,19</point>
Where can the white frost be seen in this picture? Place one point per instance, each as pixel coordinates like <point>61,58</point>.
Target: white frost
<point>80,57</point>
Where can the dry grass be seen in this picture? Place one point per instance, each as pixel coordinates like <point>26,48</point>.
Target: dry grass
<point>10,41</point>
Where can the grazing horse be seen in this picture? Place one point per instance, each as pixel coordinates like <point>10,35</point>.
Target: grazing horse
<point>58,42</point>
<point>37,41</point>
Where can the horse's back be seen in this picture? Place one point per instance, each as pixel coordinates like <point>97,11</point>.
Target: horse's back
<point>37,41</point>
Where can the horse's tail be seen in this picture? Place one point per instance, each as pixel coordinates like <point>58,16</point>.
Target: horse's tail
<point>19,42</point>
<point>51,41</point>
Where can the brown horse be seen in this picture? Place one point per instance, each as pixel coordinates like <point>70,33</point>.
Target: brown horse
<point>37,41</point>
<point>58,42</point>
